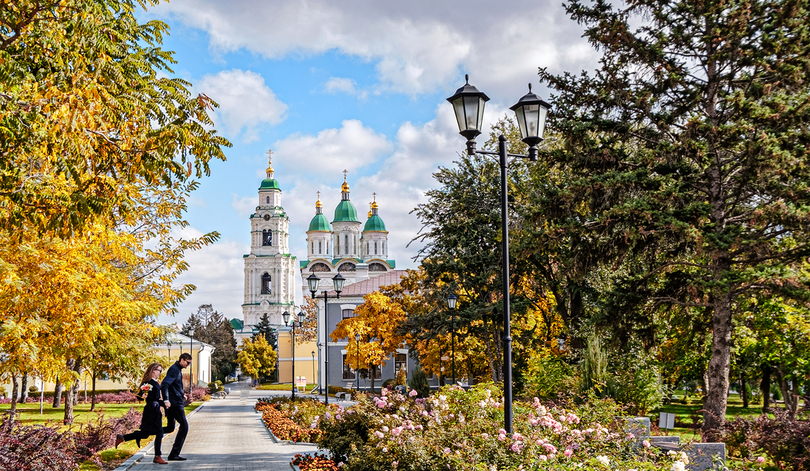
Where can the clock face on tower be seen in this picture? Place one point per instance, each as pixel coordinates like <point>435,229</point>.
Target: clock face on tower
<point>266,217</point>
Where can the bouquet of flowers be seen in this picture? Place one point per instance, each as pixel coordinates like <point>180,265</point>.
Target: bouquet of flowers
<point>145,388</point>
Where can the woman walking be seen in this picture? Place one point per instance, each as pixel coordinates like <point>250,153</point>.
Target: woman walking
<point>152,420</point>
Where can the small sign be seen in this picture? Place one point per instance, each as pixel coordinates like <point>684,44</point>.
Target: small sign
<point>301,382</point>
<point>667,421</point>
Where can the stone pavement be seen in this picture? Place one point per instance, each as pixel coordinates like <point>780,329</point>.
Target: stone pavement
<point>227,435</point>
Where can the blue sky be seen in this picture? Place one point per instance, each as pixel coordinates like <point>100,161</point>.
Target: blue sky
<point>357,85</point>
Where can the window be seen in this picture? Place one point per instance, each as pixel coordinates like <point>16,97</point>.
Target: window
<point>348,372</point>
<point>375,247</point>
<point>266,283</point>
<point>268,200</point>
<point>348,313</point>
<point>327,247</point>
<point>346,242</point>
<point>267,237</point>
<point>320,247</point>
<point>319,267</point>
<point>348,266</point>
<point>337,245</point>
<point>376,266</point>
<point>400,361</point>
<point>378,372</point>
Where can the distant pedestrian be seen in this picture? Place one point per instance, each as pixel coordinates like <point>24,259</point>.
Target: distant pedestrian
<point>173,398</point>
<point>152,419</point>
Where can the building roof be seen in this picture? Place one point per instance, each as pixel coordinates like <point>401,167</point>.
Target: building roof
<point>345,211</point>
<point>374,224</point>
<point>319,223</point>
<point>371,285</point>
<point>269,184</point>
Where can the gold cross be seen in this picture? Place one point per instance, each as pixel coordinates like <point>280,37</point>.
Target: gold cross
<point>345,172</point>
<point>375,196</point>
<point>319,196</point>
<point>270,156</point>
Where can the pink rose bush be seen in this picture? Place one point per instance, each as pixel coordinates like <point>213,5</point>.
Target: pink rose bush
<point>457,429</point>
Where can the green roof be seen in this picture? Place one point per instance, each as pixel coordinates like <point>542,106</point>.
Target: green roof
<point>319,223</point>
<point>269,184</point>
<point>345,212</point>
<point>237,324</point>
<point>374,223</point>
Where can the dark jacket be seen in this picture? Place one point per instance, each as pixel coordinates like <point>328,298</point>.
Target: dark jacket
<point>173,385</point>
<point>152,420</point>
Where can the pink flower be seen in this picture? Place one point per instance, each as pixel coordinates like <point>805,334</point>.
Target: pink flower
<point>447,451</point>
<point>568,452</point>
<point>502,431</point>
<point>379,434</point>
<point>413,393</point>
<point>646,443</point>
<point>550,448</point>
<point>395,463</point>
<point>395,432</point>
<point>484,436</point>
<point>760,460</point>
<point>385,429</point>
<point>517,436</point>
<point>542,457</point>
<point>501,437</point>
<point>516,447</point>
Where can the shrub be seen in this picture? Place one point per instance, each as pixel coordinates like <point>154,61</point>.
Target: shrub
<point>419,382</point>
<point>33,389</point>
<point>315,462</point>
<point>35,447</point>
<point>635,382</point>
<point>548,376</point>
<point>784,439</point>
<point>292,420</point>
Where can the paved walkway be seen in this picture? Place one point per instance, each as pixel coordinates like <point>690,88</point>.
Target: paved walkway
<point>226,435</point>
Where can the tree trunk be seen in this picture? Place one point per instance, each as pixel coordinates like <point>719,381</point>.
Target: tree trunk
<point>791,399</point>
<point>373,371</point>
<point>73,393</point>
<point>93,396</point>
<point>765,387</point>
<point>14,393</point>
<point>744,390</point>
<point>57,394</point>
<point>24,389</point>
<point>714,409</point>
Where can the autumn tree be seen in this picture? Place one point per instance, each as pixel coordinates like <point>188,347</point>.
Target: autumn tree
<point>690,147</point>
<point>89,110</point>
<point>257,358</point>
<point>377,321</point>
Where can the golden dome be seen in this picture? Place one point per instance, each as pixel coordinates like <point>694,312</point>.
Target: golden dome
<point>345,187</point>
<point>318,204</point>
<point>374,203</point>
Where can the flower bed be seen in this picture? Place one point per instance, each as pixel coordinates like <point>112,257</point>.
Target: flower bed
<point>293,421</point>
<point>314,462</point>
<point>462,430</point>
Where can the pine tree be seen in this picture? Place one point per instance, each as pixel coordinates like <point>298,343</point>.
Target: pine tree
<point>265,328</point>
<point>419,382</point>
<point>688,152</point>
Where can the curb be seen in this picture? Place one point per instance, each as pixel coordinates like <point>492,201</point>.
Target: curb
<point>141,454</point>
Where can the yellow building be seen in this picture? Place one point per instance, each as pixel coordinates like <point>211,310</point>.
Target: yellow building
<point>306,358</point>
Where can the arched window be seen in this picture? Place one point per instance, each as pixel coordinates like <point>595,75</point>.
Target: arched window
<point>375,247</point>
<point>267,237</point>
<point>337,245</point>
<point>319,267</point>
<point>266,283</point>
<point>376,266</point>
<point>346,242</point>
<point>348,266</point>
<point>320,247</point>
<point>268,200</point>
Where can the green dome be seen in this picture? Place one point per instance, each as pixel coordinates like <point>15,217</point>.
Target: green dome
<point>319,223</point>
<point>345,212</point>
<point>269,184</point>
<point>374,223</point>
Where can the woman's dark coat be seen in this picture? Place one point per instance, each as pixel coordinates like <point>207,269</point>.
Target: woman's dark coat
<point>152,420</point>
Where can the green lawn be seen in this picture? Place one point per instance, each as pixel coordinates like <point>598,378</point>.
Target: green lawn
<point>282,387</point>
<point>687,414</point>
<point>29,414</point>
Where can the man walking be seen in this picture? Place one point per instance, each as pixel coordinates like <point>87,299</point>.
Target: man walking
<point>172,388</point>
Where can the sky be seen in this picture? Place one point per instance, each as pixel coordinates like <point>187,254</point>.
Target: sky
<point>355,85</point>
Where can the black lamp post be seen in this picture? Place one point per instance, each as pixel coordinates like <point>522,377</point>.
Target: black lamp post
<point>357,371</point>
<point>530,110</point>
<point>312,283</point>
<point>191,368</point>
<point>451,303</point>
<point>301,317</point>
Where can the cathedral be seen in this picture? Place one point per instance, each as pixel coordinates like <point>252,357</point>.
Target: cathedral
<point>358,251</point>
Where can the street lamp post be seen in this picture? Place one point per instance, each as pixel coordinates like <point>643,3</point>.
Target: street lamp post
<point>530,111</point>
<point>451,303</point>
<point>191,368</point>
<point>313,365</point>
<point>301,317</point>
<point>312,283</point>
<point>357,371</point>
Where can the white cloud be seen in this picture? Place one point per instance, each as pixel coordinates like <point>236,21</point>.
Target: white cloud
<point>417,46</point>
<point>244,205</point>
<point>218,273</point>
<point>350,147</point>
<point>245,102</point>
